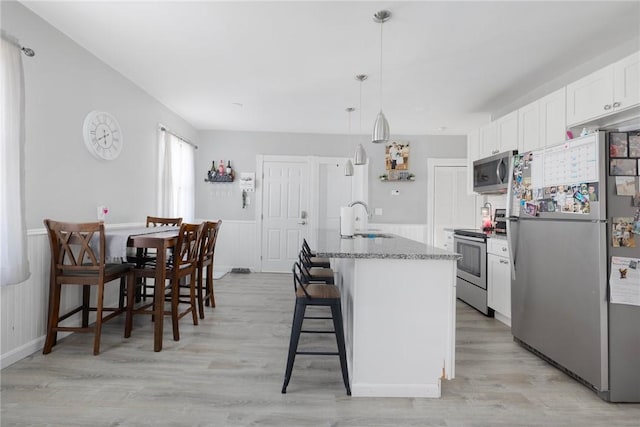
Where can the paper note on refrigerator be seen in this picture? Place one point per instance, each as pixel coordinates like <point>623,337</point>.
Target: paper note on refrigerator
<point>624,283</point>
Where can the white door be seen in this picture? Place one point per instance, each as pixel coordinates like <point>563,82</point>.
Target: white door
<point>285,210</point>
<point>448,204</point>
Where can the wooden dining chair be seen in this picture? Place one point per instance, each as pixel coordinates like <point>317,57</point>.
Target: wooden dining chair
<point>78,259</point>
<point>181,269</point>
<point>204,284</point>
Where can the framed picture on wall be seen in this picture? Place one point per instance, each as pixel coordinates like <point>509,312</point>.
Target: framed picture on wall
<point>623,167</point>
<point>397,156</point>
<point>634,145</point>
<point>618,146</point>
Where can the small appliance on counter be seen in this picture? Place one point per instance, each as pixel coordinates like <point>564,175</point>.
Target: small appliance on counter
<point>500,221</point>
<point>487,222</point>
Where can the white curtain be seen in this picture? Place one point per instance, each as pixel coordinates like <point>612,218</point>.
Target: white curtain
<point>176,179</point>
<point>14,264</point>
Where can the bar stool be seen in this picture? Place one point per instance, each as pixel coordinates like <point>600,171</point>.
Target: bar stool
<point>315,295</point>
<point>313,259</point>
<point>314,274</point>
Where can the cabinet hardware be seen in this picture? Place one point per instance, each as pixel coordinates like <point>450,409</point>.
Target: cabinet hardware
<point>616,104</point>
<point>607,107</point>
<point>502,261</point>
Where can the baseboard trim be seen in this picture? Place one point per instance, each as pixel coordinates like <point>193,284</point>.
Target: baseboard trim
<point>26,350</point>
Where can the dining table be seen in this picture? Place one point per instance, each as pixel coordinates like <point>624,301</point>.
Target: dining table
<point>161,239</point>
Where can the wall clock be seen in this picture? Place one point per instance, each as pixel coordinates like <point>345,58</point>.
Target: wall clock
<point>102,135</point>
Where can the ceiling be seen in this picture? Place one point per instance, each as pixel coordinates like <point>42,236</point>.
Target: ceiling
<point>290,66</point>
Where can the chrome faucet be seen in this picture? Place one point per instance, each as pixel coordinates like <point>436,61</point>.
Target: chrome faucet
<point>360,202</point>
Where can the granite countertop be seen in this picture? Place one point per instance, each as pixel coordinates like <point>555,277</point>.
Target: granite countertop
<point>331,245</point>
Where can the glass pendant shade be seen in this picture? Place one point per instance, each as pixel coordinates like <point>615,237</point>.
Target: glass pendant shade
<point>360,157</point>
<point>348,168</point>
<point>380,129</point>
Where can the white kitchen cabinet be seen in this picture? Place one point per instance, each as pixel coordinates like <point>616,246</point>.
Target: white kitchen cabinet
<point>507,128</point>
<point>543,122</point>
<point>448,240</point>
<point>529,127</point>
<point>473,153</point>
<point>499,135</point>
<point>609,90</point>
<point>489,140</point>
<point>499,279</point>
<point>553,118</point>
<point>626,82</point>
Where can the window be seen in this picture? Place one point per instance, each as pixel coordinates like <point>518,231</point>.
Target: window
<point>14,264</point>
<point>176,188</point>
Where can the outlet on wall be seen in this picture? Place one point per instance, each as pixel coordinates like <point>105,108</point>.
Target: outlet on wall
<point>377,211</point>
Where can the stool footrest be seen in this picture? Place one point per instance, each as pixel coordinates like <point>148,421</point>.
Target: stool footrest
<point>317,332</point>
<point>318,353</point>
<point>318,317</point>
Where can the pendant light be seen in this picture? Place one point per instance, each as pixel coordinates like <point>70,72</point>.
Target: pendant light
<point>348,167</point>
<point>360,157</point>
<point>381,126</point>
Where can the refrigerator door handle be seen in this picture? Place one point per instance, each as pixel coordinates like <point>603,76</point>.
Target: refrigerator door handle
<point>511,235</point>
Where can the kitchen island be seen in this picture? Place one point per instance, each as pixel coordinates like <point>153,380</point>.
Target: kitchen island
<point>398,304</point>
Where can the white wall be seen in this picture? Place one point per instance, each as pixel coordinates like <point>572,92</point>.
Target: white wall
<point>224,200</point>
<point>63,82</point>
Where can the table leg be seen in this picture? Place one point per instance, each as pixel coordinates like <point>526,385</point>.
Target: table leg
<point>158,298</point>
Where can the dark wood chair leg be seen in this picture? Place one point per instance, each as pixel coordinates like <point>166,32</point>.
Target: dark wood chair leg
<point>54,314</point>
<point>175,294</point>
<point>212,297</point>
<point>199,283</point>
<point>131,285</point>
<point>192,299</point>
<point>98,327</point>
<point>86,298</point>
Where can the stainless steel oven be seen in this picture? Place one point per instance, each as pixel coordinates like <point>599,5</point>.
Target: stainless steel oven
<point>471,272</point>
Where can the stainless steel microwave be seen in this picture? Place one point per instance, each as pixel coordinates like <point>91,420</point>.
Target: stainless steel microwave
<point>491,174</point>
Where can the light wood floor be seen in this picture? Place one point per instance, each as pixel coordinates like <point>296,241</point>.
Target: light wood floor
<point>228,371</point>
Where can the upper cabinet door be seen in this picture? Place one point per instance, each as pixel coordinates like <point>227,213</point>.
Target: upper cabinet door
<point>529,127</point>
<point>508,132</point>
<point>590,97</point>
<point>553,122</point>
<point>489,140</point>
<point>626,90</point>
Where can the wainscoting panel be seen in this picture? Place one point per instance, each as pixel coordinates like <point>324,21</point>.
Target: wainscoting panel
<point>24,306</point>
<point>236,246</point>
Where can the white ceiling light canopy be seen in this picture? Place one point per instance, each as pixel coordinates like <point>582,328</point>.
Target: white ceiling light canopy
<point>360,157</point>
<point>381,125</point>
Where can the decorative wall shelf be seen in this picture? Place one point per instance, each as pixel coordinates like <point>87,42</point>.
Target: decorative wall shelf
<point>220,178</point>
<point>401,176</point>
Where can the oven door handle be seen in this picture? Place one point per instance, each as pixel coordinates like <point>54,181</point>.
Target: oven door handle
<point>474,239</point>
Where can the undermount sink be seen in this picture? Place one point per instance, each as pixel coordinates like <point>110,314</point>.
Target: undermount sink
<point>371,235</point>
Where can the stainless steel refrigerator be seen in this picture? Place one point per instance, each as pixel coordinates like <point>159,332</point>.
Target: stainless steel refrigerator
<point>562,206</point>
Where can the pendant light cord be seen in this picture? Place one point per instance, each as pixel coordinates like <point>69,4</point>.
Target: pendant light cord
<point>381,24</point>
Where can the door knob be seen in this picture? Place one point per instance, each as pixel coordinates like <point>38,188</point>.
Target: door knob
<point>607,107</point>
<point>616,104</point>
<point>303,223</point>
